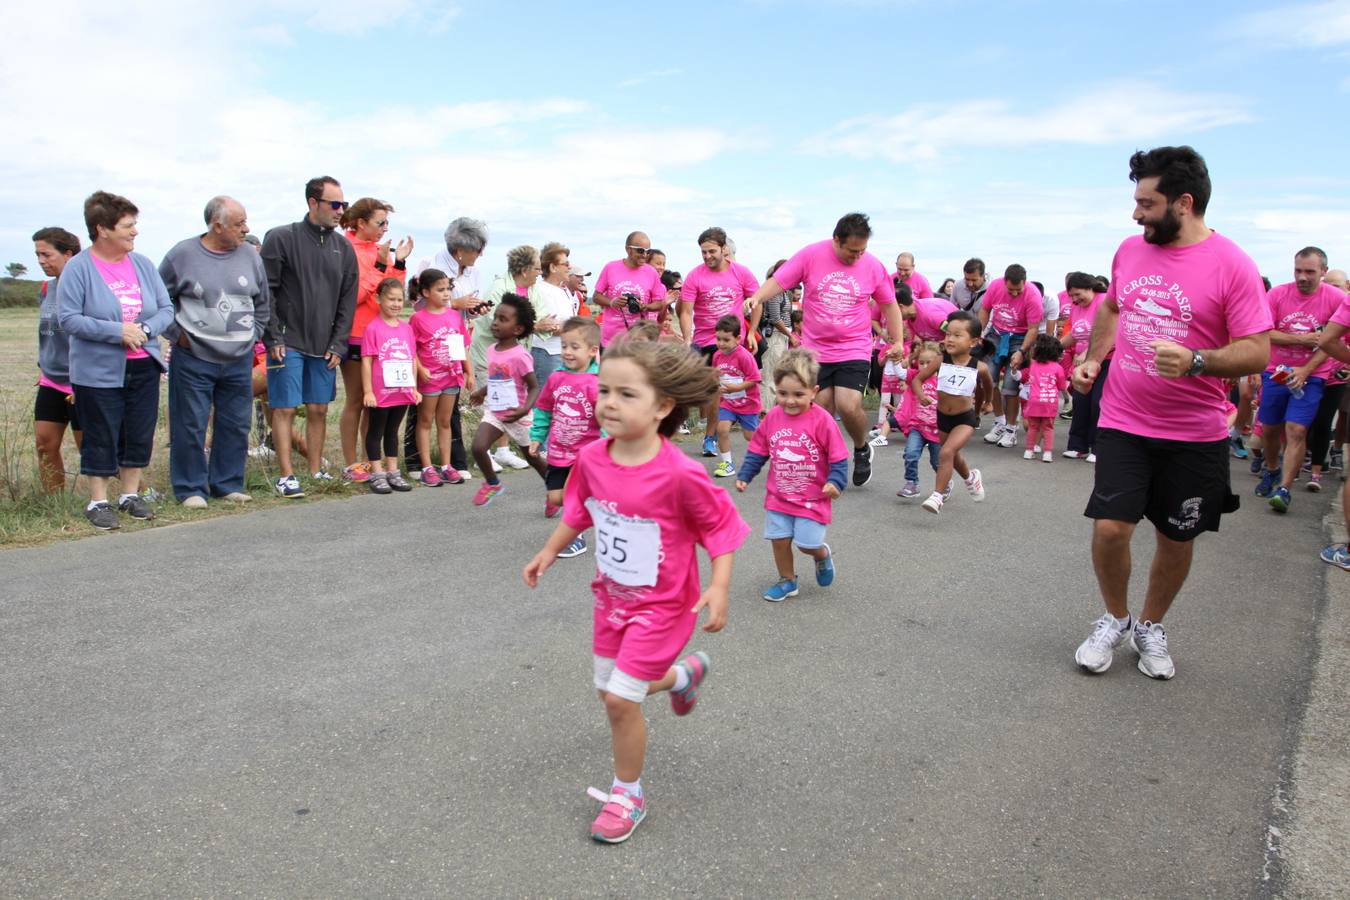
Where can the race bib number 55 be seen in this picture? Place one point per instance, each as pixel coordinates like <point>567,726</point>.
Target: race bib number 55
<point>627,549</point>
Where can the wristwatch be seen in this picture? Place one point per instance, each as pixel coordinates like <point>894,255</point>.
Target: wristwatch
<point>1197,363</point>
<point>145,329</point>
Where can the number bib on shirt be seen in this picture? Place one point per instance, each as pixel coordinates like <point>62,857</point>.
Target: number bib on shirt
<point>627,549</point>
<point>398,373</point>
<point>454,345</point>
<point>890,369</point>
<point>501,394</point>
<point>734,395</point>
<point>957,381</point>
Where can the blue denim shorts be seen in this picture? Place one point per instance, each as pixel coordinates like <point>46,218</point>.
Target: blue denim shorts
<point>805,533</point>
<point>748,421</point>
<point>299,379</point>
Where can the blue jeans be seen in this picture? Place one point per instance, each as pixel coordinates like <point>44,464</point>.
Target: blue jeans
<point>545,364</point>
<point>914,444</point>
<point>195,386</point>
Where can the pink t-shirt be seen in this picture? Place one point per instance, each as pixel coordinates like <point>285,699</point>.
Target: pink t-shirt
<point>617,279</point>
<point>891,372</point>
<point>800,451</point>
<point>126,287</point>
<point>714,295</point>
<point>570,398</point>
<point>1294,313</point>
<point>928,318</point>
<point>1080,323</point>
<point>733,368</point>
<point>392,369</point>
<point>836,320</point>
<point>506,371</point>
<point>1201,296</point>
<point>1013,315</point>
<point>913,414</point>
<point>918,285</point>
<point>649,520</point>
<point>1044,382</point>
<point>442,339</point>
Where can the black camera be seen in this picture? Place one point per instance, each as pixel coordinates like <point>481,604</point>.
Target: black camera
<point>632,303</point>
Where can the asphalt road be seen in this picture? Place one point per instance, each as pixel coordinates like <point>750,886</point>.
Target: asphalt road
<point>361,698</point>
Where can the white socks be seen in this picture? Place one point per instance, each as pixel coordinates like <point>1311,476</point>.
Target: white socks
<point>631,788</point>
<point>681,679</point>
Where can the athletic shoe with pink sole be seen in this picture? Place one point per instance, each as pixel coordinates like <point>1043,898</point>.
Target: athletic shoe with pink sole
<point>551,510</point>
<point>487,493</point>
<point>618,818</point>
<point>697,665</point>
<point>431,477</point>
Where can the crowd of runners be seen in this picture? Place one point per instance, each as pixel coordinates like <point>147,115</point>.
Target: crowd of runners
<point>1176,359</point>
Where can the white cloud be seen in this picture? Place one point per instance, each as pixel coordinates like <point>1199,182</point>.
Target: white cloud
<point>645,77</point>
<point>1325,24</point>
<point>1118,112</point>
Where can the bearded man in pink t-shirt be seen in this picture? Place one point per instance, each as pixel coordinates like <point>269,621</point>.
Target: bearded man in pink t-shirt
<point>1185,310</point>
<point>839,279</point>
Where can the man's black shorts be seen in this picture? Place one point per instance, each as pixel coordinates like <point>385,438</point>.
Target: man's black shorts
<point>851,374</point>
<point>705,352</point>
<point>1180,486</point>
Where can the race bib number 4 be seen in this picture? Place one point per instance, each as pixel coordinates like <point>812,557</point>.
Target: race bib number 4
<point>501,394</point>
<point>627,549</point>
<point>398,373</point>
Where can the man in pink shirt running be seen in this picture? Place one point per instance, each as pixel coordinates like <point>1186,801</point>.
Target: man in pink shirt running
<point>904,272</point>
<point>1184,311</point>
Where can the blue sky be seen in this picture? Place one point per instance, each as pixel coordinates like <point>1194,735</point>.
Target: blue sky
<point>962,128</point>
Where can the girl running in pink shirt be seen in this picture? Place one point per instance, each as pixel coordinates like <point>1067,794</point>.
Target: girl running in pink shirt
<point>389,373</point>
<point>740,378</point>
<point>651,507</point>
<point>919,423</point>
<point>441,339</point>
<point>960,379</point>
<point>510,393</point>
<point>1044,381</point>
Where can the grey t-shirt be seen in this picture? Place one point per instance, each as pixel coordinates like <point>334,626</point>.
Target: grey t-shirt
<point>221,300</point>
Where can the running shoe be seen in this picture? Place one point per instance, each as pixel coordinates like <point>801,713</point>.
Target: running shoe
<point>398,482</point>
<point>911,489</point>
<point>947,494</point>
<point>1258,462</point>
<point>996,433</point>
<point>1240,450</point>
<point>487,493</point>
<point>1072,454</point>
<point>934,503</point>
<point>289,486</point>
<point>453,476</point>
<point>1149,640</point>
<point>874,432</point>
<point>975,484</point>
<point>1009,438</point>
<point>356,472</point>
<point>551,509</point>
<point>1270,480</point>
<point>862,465</point>
<point>135,506</point>
<point>1067,414</point>
<point>683,429</point>
<point>709,447</point>
<point>321,476</point>
<point>431,477</point>
<point>1091,457</point>
<point>1336,555</point>
<point>618,817</point>
<point>196,501</point>
<point>504,456</point>
<point>1315,482</point>
<point>1036,449</point>
<point>1029,454</point>
<point>1280,499</point>
<point>825,568</point>
<point>1337,460</point>
<point>697,665</point>
<point>1094,654</point>
<point>576,548</point>
<point>102,516</point>
<point>1307,463</point>
<point>379,483</point>
<point>724,470</point>
<point>879,441</point>
<point>1047,456</point>
<point>780,590</point>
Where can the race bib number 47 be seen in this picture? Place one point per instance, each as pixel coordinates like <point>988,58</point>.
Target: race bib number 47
<point>627,549</point>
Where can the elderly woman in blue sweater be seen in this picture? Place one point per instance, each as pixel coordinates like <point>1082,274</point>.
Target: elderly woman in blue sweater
<point>114,306</point>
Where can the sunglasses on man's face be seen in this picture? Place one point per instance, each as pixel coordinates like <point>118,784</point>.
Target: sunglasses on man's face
<point>643,250</point>
<point>335,205</point>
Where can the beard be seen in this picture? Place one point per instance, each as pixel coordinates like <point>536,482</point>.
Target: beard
<point>1165,230</point>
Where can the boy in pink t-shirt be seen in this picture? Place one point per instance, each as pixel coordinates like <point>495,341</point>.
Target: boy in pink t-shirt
<point>564,419</point>
<point>740,378</point>
<point>1044,381</point>
<point>808,465</point>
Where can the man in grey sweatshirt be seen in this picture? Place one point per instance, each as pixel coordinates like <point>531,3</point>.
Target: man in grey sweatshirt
<point>221,306</point>
<point>311,269</point>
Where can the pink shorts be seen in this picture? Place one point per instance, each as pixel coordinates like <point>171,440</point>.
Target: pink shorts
<point>643,641</point>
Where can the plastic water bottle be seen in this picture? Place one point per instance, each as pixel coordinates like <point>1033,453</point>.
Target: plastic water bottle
<point>1281,375</point>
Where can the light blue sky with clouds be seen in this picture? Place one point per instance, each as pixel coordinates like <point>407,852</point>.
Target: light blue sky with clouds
<point>963,128</point>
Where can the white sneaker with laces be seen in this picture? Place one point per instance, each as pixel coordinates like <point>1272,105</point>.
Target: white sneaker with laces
<point>934,503</point>
<point>1149,640</point>
<point>504,456</point>
<point>1030,454</point>
<point>1094,654</point>
<point>996,433</point>
<point>1009,438</point>
<point>975,484</point>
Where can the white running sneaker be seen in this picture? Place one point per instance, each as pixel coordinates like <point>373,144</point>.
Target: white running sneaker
<point>1150,641</point>
<point>934,503</point>
<point>996,433</point>
<point>1091,457</point>
<point>1047,456</point>
<point>1030,454</point>
<point>975,484</point>
<point>1009,438</point>
<point>1094,654</point>
<point>1072,454</point>
<point>879,441</point>
<point>504,456</point>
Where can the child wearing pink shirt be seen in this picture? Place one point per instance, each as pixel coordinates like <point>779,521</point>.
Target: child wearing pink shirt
<point>509,394</point>
<point>739,376</point>
<point>651,507</point>
<point>808,465</point>
<point>389,373</point>
<point>1044,381</point>
<point>919,422</point>
<point>892,393</point>
<point>441,340</point>
<point>564,415</point>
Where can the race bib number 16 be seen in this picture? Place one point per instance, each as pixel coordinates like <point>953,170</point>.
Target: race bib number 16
<point>627,549</point>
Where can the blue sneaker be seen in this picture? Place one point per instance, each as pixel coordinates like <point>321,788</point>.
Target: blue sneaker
<point>1336,555</point>
<point>1258,461</point>
<point>1240,449</point>
<point>576,548</point>
<point>1280,500</point>
<point>1270,479</point>
<point>825,568</point>
<point>781,590</point>
<point>709,446</point>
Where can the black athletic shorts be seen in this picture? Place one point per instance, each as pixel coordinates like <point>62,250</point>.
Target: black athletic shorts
<point>555,477</point>
<point>705,352</point>
<point>52,405</point>
<point>1180,486</point>
<point>851,374</point>
<point>946,423</point>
